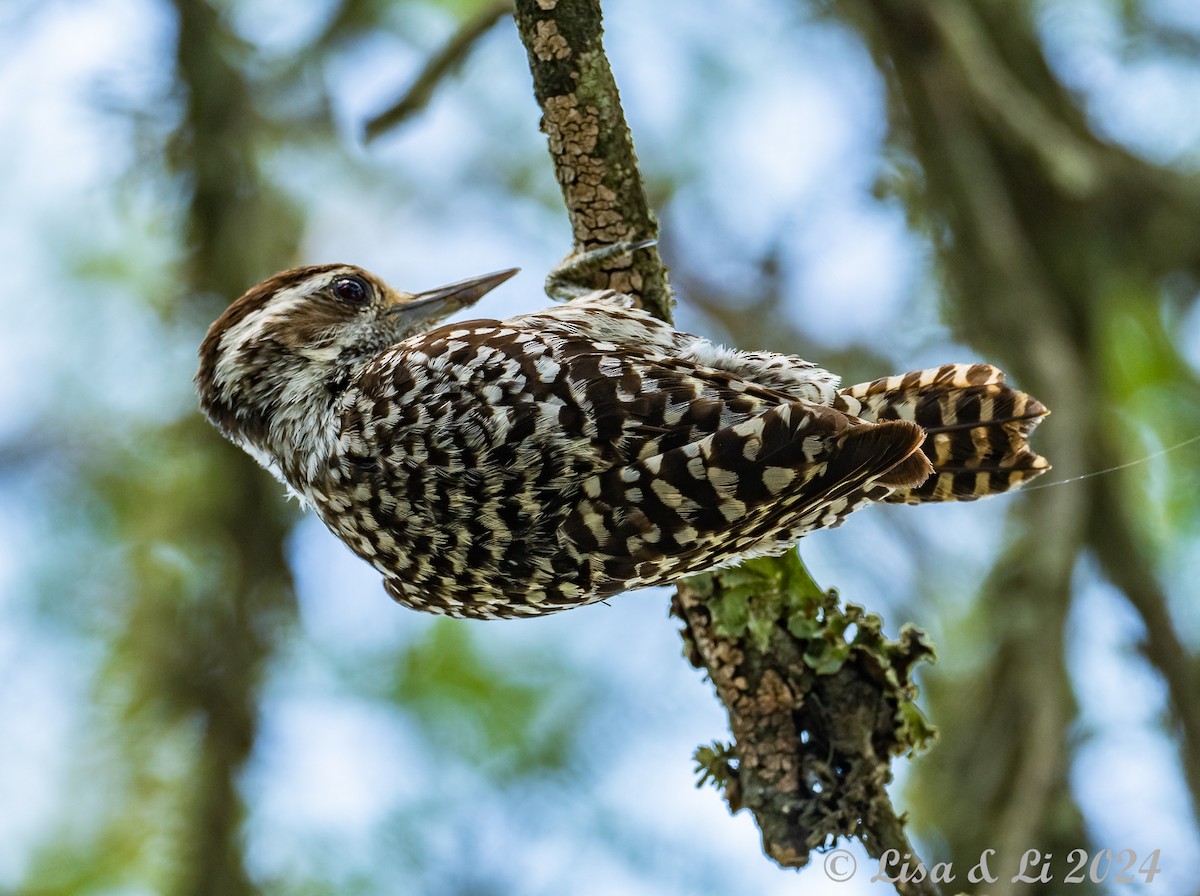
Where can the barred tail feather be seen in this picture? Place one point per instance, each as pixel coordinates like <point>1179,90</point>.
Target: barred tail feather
<point>977,428</point>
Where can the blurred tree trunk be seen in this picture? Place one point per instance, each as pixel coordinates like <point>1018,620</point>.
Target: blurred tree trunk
<point>193,648</point>
<point>238,230</point>
<point>1048,237</point>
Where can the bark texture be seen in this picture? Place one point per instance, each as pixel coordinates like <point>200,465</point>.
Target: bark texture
<point>590,144</point>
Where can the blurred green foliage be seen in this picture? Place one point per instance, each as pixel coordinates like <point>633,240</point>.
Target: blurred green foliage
<point>511,718</point>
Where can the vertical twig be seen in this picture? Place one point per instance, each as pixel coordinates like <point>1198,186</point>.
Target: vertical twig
<point>590,143</point>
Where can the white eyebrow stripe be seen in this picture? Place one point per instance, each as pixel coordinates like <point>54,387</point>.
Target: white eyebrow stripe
<point>255,325</point>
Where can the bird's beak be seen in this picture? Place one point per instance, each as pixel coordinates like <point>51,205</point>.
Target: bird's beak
<point>432,305</point>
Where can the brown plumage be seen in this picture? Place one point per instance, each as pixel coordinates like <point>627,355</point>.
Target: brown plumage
<point>510,468</point>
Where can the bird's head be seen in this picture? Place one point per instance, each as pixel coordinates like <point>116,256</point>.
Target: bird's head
<point>289,345</point>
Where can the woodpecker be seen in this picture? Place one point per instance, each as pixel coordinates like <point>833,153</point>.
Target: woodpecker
<point>518,467</point>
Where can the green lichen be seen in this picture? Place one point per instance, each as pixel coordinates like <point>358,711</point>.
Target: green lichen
<point>716,763</point>
<point>754,597</point>
<point>757,600</point>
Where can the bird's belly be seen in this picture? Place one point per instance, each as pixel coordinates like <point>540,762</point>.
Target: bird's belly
<point>464,545</point>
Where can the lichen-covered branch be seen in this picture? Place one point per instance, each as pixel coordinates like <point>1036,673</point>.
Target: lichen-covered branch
<point>818,700</point>
<point>590,143</point>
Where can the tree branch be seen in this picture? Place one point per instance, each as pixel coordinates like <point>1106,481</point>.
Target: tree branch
<point>590,144</point>
<point>443,63</point>
<point>818,700</point>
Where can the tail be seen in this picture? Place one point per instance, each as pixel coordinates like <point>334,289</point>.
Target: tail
<point>976,428</point>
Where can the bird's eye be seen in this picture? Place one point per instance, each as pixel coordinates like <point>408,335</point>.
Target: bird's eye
<point>351,290</point>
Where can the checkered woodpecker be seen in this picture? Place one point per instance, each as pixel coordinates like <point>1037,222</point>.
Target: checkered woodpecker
<point>497,468</point>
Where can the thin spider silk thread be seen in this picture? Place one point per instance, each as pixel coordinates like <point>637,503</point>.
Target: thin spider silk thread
<point>1132,463</point>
